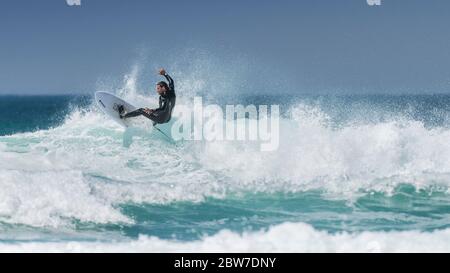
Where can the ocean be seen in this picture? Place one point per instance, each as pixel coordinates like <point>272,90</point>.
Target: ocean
<point>352,173</point>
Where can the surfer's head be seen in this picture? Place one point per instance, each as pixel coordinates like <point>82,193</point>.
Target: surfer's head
<point>161,87</point>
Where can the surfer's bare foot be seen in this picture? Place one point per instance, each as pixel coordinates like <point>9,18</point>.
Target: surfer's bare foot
<point>121,111</point>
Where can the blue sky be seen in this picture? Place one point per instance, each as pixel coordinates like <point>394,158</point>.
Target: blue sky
<point>303,46</point>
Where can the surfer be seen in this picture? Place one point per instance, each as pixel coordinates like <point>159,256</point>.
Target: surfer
<point>167,99</point>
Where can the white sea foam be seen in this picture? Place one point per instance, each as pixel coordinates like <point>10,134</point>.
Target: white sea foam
<point>286,237</point>
<point>81,167</point>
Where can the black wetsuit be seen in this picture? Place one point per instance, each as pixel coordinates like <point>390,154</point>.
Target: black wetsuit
<point>166,104</point>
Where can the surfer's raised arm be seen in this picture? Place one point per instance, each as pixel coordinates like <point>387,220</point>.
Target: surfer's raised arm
<point>163,72</point>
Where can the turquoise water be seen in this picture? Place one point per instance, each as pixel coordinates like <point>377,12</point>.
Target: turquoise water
<point>405,210</point>
<point>346,166</point>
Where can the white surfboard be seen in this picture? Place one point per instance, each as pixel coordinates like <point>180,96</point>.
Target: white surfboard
<point>109,104</point>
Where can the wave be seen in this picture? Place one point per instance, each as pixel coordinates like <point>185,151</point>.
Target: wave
<point>81,167</point>
<point>86,156</point>
<point>286,237</point>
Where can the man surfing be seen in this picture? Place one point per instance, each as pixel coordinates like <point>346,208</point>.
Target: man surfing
<point>167,99</point>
